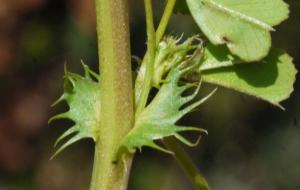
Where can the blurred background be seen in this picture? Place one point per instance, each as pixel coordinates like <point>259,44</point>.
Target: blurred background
<point>251,144</point>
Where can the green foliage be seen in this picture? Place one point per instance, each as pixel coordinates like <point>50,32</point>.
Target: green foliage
<point>271,80</point>
<point>244,29</point>
<point>244,26</point>
<point>238,57</point>
<point>158,119</point>
<point>83,97</point>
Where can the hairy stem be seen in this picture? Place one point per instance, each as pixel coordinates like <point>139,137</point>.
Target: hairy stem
<point>117,97</point>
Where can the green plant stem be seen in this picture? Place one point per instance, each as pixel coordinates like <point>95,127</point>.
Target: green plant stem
<point>117,97</point>
<point>187,164</point>
<point>159,34</point>
<point>165,20</point>
<point>151,47</point>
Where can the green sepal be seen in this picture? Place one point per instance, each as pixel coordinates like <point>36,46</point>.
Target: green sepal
<point>244,26</point>
<point>169,54</point>
<point>158,119</point>
<point>82,95</point>
<point>271,80</point>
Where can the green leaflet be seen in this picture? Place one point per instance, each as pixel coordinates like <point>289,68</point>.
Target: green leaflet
<point>217,57</point>
<point>243,25</point>
<point>271,80</point>
<point>82,95</point>
<point>158,119</point>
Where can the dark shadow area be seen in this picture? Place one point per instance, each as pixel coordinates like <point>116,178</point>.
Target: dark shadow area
<point>261,74</point>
